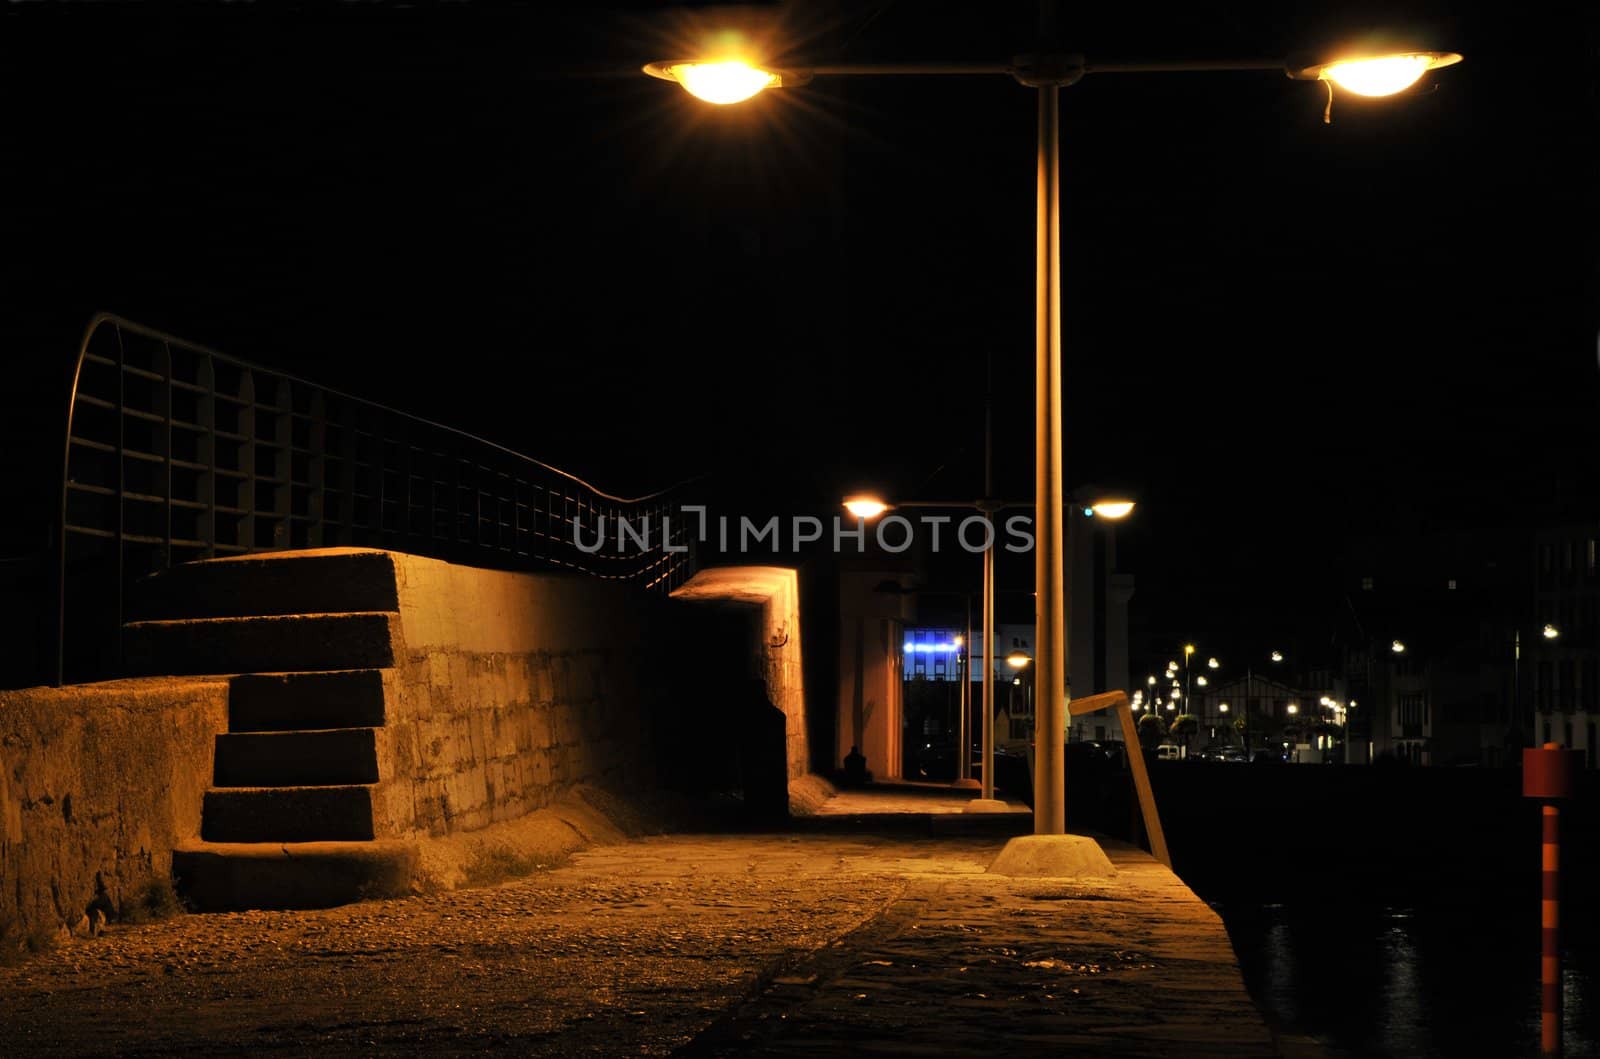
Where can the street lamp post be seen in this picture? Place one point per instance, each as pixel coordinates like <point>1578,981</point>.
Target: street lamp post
<point>1549,633</point>
<point>729,79</point>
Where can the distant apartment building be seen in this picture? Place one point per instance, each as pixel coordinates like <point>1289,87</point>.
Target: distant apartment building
<point>1562,665</point>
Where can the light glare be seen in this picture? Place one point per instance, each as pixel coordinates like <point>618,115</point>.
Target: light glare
<point>865,506</point>
<point>1379,77</point>
<point>1112,509</point>
<point>730,81</point>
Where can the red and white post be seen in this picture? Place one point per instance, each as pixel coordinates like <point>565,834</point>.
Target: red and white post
<point>1547,774</point>
<point>1550,935</point>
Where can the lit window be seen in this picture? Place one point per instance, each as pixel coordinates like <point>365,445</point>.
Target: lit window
<point>1366,584</point>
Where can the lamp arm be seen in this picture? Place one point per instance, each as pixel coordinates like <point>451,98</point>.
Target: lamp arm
<point>1187,66</point>
<point>800,74</point>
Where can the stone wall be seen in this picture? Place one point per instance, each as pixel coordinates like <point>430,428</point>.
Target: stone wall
<point>98,783</point>
<point>507,691</point>
<point>510,689</point>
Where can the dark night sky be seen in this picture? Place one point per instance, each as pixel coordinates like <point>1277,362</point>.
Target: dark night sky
<point>1281,333</point>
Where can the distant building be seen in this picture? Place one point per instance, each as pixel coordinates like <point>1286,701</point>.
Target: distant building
<point>1257,711</point>
<point>1562,672</point>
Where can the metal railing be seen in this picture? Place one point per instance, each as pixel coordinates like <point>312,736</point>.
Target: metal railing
<point>176,452</point>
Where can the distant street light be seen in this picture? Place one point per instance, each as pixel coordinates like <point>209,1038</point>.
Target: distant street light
<point>1212,663</point>
<point>1551,632</point>
<point>1223,707</point>
<point>1111,509</point>
<point>1398,647</point>
<point>1017,659</point>
<point>870,505</point>
<point>1293,709</point>
<point>1277,656</point>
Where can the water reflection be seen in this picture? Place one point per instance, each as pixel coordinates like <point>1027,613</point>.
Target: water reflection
<point>1383,980</point>
<point>1404,1015</point>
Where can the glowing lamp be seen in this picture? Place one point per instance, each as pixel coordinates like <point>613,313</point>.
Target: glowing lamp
<point>1112,509</point>
<point>1378,75</point>
<point>1551,632</point>
<point>1017,659</point>
<point>723,82</point>
<point>864,506</point>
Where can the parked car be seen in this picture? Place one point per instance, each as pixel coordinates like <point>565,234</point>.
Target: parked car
<point>1224,754</point>
<point>1168,752</point>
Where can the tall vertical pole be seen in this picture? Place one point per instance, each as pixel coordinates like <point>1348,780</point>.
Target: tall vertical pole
<point>987,722</point>
<point>1049,777</point>
<point>988,674</point>
<point>1549,774</point>
<point>1517,717</point>
<point>963,729</point>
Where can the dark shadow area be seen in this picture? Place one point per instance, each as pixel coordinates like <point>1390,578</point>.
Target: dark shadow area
<point>1390,910</point>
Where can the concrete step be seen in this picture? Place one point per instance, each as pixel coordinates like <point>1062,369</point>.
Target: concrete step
<point>318,581</point>
<point>275,702</point>
<point>296,759</point>
<point>297,642</point>
<point>231,876</point>
<point>287,814</point>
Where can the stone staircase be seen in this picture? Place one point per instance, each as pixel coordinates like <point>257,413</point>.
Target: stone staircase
<point>288,820</point>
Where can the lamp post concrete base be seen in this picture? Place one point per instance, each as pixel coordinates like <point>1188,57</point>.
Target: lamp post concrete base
<point>987,805</point>
<point>1053,857</point>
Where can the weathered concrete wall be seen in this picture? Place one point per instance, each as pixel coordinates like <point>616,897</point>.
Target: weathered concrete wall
<point>508,690</point>
<point>98,782</point>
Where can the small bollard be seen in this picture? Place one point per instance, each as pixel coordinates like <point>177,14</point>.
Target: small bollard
<point>1547,774</point>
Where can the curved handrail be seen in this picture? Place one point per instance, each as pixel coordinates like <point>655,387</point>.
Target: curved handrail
<point>417,423</point>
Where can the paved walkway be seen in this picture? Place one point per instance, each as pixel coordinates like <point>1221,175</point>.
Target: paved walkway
<point>908,799</point>
<point>713,945</point>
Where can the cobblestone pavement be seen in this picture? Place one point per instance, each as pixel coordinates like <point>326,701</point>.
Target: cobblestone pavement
<point>803,944</point>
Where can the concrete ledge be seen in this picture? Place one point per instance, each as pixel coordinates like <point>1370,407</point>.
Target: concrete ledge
<point>268,702</point>
<point>98,784</point>
<point>254,645</point>
<point>311,581</point>
<point>336,757</point>
<point>1053,857</point>
<point>287,814</point>
<point>218,877</point>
